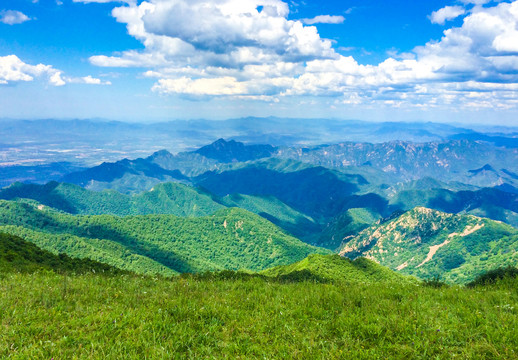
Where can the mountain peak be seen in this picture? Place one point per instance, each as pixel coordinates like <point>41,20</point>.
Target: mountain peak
<point>234,151</point>
<point>486,167</point>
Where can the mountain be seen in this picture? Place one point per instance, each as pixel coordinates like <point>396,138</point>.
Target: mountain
<point>427,243</point>
<point>406,161</point>
<point>39,174</point>
<point>19,255</point>
<point>126,176</point>
<point>166,244</point>
<point>345,226</point>
<point>233,151</point>
<point>294,222</point>
<point>333,268</point>
<point>312,190</point>
<point>188,163</point>
<point>488,202</point>
<point>167,198</point>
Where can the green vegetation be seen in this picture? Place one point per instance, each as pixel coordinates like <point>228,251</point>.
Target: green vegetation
<point>166,244</point>
<point>428,243</point>
<point>168,198</point>
<point>282,215</point>
<point>494,276</point>
<point>335,268</point>
<point>345,226</point>
<point>317,192</point>
<point>19,255</point>
<point>45,316</point>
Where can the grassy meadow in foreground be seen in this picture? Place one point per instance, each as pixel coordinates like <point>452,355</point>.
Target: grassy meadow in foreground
<point>49,316</point>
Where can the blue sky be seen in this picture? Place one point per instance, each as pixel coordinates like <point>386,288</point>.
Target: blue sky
<point>434,60</point>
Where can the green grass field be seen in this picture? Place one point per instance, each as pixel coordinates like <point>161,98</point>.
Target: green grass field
<point>50,316</point>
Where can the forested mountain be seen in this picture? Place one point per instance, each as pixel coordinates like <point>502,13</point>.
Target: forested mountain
<point>166,244</point>
<point>315,191</point>
<point>167,198</point>
<point>426,243</point>
<point>19,255</point>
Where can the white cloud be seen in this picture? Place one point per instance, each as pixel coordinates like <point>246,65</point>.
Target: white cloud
<point>446,13</point>
<point>235,48</point>
<point>215,86</point>
<point>324,19</point>
<point>89,80</point>
<point>227,33</point>
<point>12,17</point>
<point>104,1</point>
<point>56,79</point>
<point>475,2</point>
<point>13,70</point>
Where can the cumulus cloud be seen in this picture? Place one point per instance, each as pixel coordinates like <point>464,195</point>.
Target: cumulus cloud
<point>13,70</point>
<point>12,17</point>
<point>475,2</point>
<point>105,1</point>
<point>89,80</point>
<point>324,19</point>
<point>249,49</point>
<point>446,13</point>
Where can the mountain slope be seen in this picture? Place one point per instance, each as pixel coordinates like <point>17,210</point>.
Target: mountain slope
<point>168,198</point>
<point>20,255</point>
<point>426,243</point>
<point>234,151</point>
<point>336,269</point>
<point>188,163</point>
<point>229,239</point>
<point>345,226</point>
<point>282,215</point>
<point>491,203</point>
<point>405,161</point>
<point>315,191</point>
<point>126,176</point>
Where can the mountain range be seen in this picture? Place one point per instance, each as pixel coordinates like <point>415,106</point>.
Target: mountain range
<point>296,201</point>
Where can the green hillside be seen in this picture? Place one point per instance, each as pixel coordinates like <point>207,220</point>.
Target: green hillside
<point>166,244</point>
<point>17,254</point>
<point>282,215</point>
<point>428,243</point>
<point>336,268</point>
<point>167,198</point>
<point>345,226</point>
<point>314,191</point>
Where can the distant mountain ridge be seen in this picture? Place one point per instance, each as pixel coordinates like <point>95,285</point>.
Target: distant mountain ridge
<point>455,160</point>
<point>233,151</point>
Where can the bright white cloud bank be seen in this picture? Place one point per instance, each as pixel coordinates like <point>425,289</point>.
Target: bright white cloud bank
<point>12,70</point>
<point>249,49</point>
<point>12,17</point>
